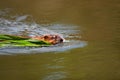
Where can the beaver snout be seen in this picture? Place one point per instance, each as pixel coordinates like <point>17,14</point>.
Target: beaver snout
<point>51,38</point>
<point>54,39</point>
<point>61,40</point>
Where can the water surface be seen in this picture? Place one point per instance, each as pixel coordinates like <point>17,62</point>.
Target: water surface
<point>25,25</point>
<point>98,22</point>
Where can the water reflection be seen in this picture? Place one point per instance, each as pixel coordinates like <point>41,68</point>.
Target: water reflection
<point>55,76</point>
<point>57,69</point>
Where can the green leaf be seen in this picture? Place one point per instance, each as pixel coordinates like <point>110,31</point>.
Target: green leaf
<point>11,37</point>
<point>39,42</point>
<point>9,40</point>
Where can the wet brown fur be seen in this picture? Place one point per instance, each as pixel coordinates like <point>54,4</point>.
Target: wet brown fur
<point>54,39</point>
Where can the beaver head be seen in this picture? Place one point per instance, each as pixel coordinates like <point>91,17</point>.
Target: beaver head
<point>54,39</point>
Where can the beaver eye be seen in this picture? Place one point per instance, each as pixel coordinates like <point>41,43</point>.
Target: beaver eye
<point>46,37</point>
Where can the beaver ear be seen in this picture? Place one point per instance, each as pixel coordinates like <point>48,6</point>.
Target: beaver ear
<point>45,37</point>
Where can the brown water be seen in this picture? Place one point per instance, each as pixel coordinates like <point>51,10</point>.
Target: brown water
<point>99,23</point>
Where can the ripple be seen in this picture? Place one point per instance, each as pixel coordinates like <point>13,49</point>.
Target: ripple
<point>55,76</point>
<point>25,25</point>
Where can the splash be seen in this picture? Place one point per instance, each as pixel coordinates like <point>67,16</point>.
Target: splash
<point>24,25</point>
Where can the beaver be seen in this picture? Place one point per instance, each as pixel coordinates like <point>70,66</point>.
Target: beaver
<point>43,40</point>
<point>51,38</point>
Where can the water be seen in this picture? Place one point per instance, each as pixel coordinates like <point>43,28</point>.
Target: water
<point>93,24</point>
<point>19,25</point>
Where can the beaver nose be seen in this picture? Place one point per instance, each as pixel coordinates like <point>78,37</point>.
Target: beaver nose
<point>61,40</point>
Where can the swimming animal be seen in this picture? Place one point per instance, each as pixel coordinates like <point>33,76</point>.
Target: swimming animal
<point>44,40</point>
